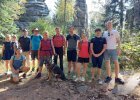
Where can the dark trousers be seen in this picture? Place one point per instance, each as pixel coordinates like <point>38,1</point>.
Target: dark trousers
<point>59,52</point>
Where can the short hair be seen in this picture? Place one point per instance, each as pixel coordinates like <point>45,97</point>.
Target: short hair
<point>57,28</point>
<point>108,22</point>
<point>97,30</point>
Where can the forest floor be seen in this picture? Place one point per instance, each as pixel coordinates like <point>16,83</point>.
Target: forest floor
<point>41,89</point>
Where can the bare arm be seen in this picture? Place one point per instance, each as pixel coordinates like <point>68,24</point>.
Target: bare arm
<point>104,48</point>
<point>53,47</point>
<point>11,66</point>
<point>64,44</point>
<point>91,48</point>
<point>3,48</point>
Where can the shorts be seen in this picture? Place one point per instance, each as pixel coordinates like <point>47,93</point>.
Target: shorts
<point>45,60</point>
<point>111,55</point>
<point>97,61</point>
<point>34,54</point>
<point>72,55</point>
<point>83,60</point>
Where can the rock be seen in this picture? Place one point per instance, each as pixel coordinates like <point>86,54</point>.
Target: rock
<point>81,17</point>
<point>82,89</point>
<point>35,9</point>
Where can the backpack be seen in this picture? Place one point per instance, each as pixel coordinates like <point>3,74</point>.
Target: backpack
<point>40,37</point>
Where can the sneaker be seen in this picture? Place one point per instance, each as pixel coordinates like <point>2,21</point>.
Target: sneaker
<point>108,79</point>
<point>77,79</point>
<point>74,76</point>
<point>82,79</point>
<point>100,81</point>
<point>119,81</point>
<point>38,76</point>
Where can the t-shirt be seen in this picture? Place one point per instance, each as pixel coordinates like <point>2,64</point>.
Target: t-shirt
<point>98,44</point>
<point>24,43</point>
<point>72,41</point>
<point>111,38</point>
<point>17,62</point>
<point>58,40</point>
<point>35,41</point>
<point>84,49</point>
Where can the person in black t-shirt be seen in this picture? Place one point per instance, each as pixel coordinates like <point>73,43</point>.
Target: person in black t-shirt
<point>97,46</point>
<point>24,43</point>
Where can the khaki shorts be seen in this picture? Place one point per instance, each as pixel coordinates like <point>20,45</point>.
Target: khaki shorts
<point>26,54</point>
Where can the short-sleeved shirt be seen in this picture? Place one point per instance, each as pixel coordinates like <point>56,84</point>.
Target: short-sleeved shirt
<point>35,41</point>
<point>58,41</point>
<point>111,38</point>
<point>24,43</point>
<point>98,44</point>
<point>17,62</point>
<point>72,41</point>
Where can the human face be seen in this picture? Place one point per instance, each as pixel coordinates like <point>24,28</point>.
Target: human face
<point>18,51</point>
<point>57,30</point>
<point>7,38</point>
<point>71,30</point>
<point>36,32</point>
<point>25,33</point>
<point>98,33</point>
<point>109,25</point>
<point>45,35</point>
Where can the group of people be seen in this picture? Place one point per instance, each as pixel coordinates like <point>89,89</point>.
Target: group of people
<point>104,46</point>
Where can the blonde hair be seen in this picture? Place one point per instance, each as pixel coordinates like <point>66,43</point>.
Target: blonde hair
<point>8,36</point>
<point>83,35</point>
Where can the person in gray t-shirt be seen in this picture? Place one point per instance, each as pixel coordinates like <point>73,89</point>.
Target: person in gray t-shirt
<point>72,41</point>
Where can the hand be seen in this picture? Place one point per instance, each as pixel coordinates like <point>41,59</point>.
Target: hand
<point>118,52</point>
<point>96,55</point>
<point>15,71</point>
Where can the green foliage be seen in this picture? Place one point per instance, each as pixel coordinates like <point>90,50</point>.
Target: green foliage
<point>9,12</point>
<point>43,25</point>
<point>131,51</point>
<point>61,18</point>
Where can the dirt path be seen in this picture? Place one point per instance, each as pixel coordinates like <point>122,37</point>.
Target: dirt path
<point>68,90</point>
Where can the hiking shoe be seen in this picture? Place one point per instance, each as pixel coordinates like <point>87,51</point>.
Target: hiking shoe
<point>108,79</point>
<point>24,75</point>
<point>82,79</point>
<point>38,76</point>
<point>119,81</point>
<point>100,81</point>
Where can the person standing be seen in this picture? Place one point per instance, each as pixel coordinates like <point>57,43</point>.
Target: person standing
<point>97,46</point>
<point>45,53</point>
<point>59,42</point>
<point>24,44</point>
<point>83,57</point>
<point>7,51</point>
<point>35,42</point>
<point>72,42</point>
<point>113,51</point>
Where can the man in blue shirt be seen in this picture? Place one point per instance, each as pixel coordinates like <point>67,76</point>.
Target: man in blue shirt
<point>35,42</point>
<point>24,44</point>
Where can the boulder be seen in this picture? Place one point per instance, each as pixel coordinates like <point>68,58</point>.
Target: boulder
<point>81,16</point>
<point>35,9</point>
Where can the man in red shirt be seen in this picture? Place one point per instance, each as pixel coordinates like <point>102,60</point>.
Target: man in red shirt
<point>59,42</point>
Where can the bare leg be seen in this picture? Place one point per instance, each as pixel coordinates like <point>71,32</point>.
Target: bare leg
<point>117,68</point>
<point>108,68</point>
<point>99,73</point>
<point>78,68</point>
<point>85,70</point>
<point>7,64</point>
<point>69,66</point>
<point>74,67</point>
<point>93,72</point>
